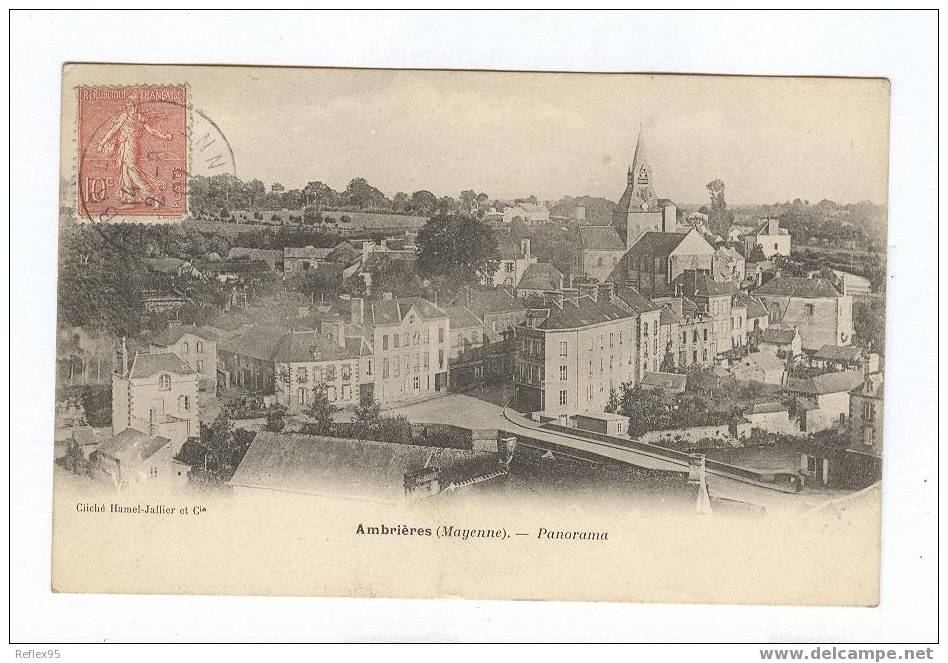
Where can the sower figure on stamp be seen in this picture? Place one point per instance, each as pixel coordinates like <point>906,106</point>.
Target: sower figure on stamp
<point>139,187</point>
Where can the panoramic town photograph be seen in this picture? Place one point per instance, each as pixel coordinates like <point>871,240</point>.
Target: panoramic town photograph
<point>474,287</point>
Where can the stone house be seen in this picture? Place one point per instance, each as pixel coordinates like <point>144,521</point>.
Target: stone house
<point>823,315</point>
<point>823,401</point>
<point>770,237</point>
<point>195,345</point>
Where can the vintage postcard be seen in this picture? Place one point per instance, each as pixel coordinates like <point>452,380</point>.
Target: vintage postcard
<point>502,335</point>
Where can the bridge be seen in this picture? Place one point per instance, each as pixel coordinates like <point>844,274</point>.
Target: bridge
<point>772,490</point>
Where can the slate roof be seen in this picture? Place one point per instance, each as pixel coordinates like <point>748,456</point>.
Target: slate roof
<point>391,311</point>
<point>600,238</point>
<point>540,276</point>
<point>174,334</point>
<point>334,466</point>
<point>146,364</point>
<point>656,244</point>
<point>259,342</point>
<point>584,312</point>
<point>755,309</point>
<point>766,408</point>
<point>484,301</point>
<point>839,352</point>
<point>132,446</point>
<point>778,336</point>
<point>705,286</point>
<point>634,301</point>
<point>796,286</point>
<point>305,346</point>
<point>665,380</point>
<point>828,383</point>
<point>509,249</point>
<point>461,317</point>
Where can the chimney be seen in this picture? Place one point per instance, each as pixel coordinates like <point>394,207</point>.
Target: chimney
<point>571,294</point>
<point>590,290</point>
<point>357,310</point>
<point>525,247</point>
<point>607,292</point>
<point>123,357</point>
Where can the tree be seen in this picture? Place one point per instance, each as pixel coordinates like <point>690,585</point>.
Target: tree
<point>275,422</point>
<point>424,202</point>
<point>321,412</point>
<point>367,415</point>
<point>612,405</point>
<point>719,217</point>
<point>457,249</point>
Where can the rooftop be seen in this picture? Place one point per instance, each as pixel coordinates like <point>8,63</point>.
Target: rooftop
<point>839,352</point>
<point>601,238</point>
<point>828,383</point>
<point>146,364</point>
<point>541,276</point>
<point>132,446</point>
<point>665,380</point>
<point>173,334</point>
<point>797,286</point>
<point>778,335</point>
<point>582,312</point>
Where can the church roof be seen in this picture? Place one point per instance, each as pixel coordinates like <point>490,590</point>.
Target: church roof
<point>541,276</point>
<point>656,244</point>
<point>601,238</point>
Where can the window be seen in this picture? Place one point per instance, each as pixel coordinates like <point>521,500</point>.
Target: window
<point>694,357</point>
<point>426,360</point>
<point>385,341</point>
<point>704,356</point>
<point>611,340</point>
<point>415,383</point>
<point>694,336</point>
<point>775,247</point>
<point>368,367</point>
<point>346,371</point>
<point>185,348</point>
<point>867,410</point>
<point>396,338</point>
<point>385,367</point>
<point>200,365</point>
<point>599,262</point>
<point>509,266</point>
<point>706,334</point>
<point>397,362</point>
<point>153,472</point>
<point>405,339</point>
<point>187,403</point>
<point>808,309</point>
<point>199,347</point>
<point>301,396</point>
<point>331,393</point>
<point>655,327</point>
<point>346,392</point>
<point>440,358</point>
<point>164,382</point>
<point>301,375</point>
<point>440,334</point>
<point>563,348</point>
<point>330,374</point>
<point>564,373</point>
<point>563,396</point>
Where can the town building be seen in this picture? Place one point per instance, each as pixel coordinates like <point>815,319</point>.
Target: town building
<point>716,301</point>
<point>132,458</point>
<point>299,259</point>
<point>772,417</point>
<point>823,401</point>
<point>728,265</point>
<point>272,257</point>
<point>781,341</point>
<point>538,278</point>
<point>853,284</point>
<point>839,357</point>
<point>770,237</point>
<point>764,367</point>
<point>195,345</point>
<point>306,362</point>
<point>656,259</point>
<point>411,342</point>
<point>671,384</point>
<point>864,454</point>
<point>156,395</point>
<point>531,214</point>
<point>823,315</point>
<point>515,258</point>
<point>572,353</point>
<point>648,345</point>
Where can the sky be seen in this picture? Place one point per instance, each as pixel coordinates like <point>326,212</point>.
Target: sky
<point>514,134</point>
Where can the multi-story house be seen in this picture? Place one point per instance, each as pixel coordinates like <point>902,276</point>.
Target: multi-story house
<point>156,395</point>
<point>572,353</point>
<point>657,259</point>
<point>713,299</point>
<point>864,455</point>
<point>305,362</point>
<point>195,345</point>
<point>514,261</point>
<point>689,333</point>
<point>770,237</point>
<point>823,315</point>
<point>411,341</point>
<point>648,348</point>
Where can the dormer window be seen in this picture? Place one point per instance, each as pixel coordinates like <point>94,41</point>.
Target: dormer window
<point>164,382</point>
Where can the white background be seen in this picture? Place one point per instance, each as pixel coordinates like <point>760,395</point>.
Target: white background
<point>900,46</point>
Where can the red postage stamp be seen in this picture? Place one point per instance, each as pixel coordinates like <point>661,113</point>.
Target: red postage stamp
<point>133,151</point>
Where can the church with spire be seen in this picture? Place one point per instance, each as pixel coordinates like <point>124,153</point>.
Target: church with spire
<point>638,211</point>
